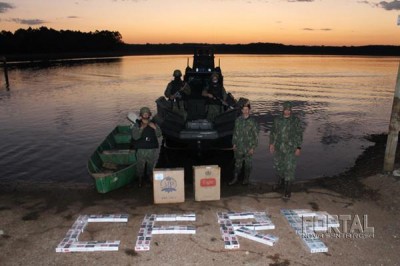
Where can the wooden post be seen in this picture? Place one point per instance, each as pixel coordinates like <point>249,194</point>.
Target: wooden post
<point>6,72</point>
<point>391,145</point>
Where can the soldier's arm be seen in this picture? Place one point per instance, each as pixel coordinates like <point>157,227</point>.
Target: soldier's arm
<point>186,89</point>
<point>224,94</point>
<point>272,135</point>
<point>255,134</point>
<point>299,133</point>
<point>167,92</point>
<point>235,133</point>
<point>136,132</point>
<point>205,93</point>
<point>158,131</point>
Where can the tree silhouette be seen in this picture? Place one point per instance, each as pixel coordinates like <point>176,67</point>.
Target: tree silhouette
<point>45,40</point>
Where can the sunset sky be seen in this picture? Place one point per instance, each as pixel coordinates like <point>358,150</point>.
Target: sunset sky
<point>291,22</point>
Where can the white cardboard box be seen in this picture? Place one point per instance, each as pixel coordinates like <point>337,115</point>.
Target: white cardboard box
<point>169,185</point>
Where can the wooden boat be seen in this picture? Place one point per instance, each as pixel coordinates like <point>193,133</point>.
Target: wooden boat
<point>196,132</point>
<point>113,164</point>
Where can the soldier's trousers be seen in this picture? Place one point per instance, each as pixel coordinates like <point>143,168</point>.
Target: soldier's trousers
<point>240,157</point>
<point>213,110</point>
<point>179,108</point>
<point>285,165</point>
<point>144,156</point>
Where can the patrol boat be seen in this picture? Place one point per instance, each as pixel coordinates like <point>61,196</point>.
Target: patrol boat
<point>196,132</point>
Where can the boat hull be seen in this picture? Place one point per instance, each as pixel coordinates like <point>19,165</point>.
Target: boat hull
<point>195,129</point>
<point>113,164</point>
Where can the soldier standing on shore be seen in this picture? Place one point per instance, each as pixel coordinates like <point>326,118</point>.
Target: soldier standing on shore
<point>244,140</point>
<point>145,134</point>
<point>285,143</point>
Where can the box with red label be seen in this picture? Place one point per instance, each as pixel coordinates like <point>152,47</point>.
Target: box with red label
<point>169,185</point>
<point>207,182</point>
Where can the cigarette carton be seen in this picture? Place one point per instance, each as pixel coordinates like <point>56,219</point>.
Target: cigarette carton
<point>207,182</point>
<point>169,185</point>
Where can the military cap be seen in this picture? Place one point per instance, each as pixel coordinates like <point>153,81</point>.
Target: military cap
<point>145,110</point>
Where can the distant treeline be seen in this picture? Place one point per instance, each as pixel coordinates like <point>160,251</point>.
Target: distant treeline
<point>44,40</point>
<point>44,44</point>
<point>265,48</point>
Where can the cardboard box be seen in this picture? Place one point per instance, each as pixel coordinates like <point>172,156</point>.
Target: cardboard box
<point>207,182</point>
<point>169,185</point>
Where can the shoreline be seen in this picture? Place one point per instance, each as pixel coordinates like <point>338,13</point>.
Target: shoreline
<point>34,222</point>
<point>42,58</point>
<point>347,183</point>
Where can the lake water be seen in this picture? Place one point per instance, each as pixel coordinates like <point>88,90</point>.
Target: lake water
<point>53,118</point>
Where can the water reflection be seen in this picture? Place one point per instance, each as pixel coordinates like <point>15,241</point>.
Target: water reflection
<point>55,116</point>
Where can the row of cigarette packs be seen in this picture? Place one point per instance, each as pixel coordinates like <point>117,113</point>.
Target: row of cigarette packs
<point>300,221</point>
<point>71,243</point>
<point>230,230</point>
<point>304,222</point>
<point>148,228</point>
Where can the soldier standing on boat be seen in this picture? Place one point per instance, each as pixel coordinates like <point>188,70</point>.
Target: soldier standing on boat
<point>176,91</point>
<point>145,135</point>
<point>216,96</point>
<point>244,140</point>
<point>285,143</point>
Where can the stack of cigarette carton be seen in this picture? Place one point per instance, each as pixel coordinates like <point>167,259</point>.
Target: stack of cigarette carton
<point>108,218</point>
<point>231,229</point>
<point>145,233</point>
<point>228,232</point>
<point>323,221</point>
<point>176,217</point>
<point>173,229</point>
<point>148,228</point>
<point>267,239</point>
<point>71,243</point>
<point>306,222</point>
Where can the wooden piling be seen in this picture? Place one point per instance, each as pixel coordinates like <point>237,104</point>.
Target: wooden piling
<point>393,135</point>
<point>5,72</point>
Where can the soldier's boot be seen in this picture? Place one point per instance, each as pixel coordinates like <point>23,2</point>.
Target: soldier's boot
<point>288,192</point>
<point>234,180</point>
<point>245,181</point>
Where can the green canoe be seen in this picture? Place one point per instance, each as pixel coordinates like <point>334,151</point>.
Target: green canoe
<point>113,164</point>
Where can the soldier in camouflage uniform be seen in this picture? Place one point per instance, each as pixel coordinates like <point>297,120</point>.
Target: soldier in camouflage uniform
<point>145,134</point>
<point>244,140</point>
<point>176,92</point>
<point>285,143</point>
<point>216,96</point>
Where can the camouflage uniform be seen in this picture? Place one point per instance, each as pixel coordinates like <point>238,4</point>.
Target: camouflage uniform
<point>214,105</point>
<point>286,135</point>
<point>180,89</point>
<point>146,145</point>
<point>245,138</point>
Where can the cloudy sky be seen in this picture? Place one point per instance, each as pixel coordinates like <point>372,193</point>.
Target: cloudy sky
<point>292,22</point>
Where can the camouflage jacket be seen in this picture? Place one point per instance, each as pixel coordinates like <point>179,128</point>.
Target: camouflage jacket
<point>245,133</point>
<point>286,134</point>
<point>176,86</point>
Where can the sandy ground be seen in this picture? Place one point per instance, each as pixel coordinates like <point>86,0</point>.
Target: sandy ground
<point>34,222</point>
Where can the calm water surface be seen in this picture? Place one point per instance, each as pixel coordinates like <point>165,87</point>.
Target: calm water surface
<point>53,118</point>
